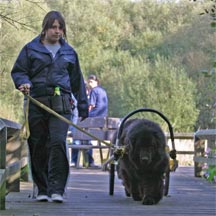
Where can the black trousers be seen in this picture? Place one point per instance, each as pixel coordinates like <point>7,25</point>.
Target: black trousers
<point>47,147</point>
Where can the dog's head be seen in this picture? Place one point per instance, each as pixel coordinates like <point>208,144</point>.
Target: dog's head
<point>145,143</point>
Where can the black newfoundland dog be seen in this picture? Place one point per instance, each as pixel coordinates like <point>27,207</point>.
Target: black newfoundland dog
<point>145,161</point>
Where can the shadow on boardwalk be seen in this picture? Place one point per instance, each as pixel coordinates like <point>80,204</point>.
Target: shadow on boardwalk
<point>87,194</point>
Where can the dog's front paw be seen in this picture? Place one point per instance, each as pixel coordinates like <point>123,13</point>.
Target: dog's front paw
<point>127,193</point>
<point>136,197</point>
<point>148,200</point>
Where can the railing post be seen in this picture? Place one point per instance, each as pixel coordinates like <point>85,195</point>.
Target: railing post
<point>199,151</point>
<point>3,141</point>
<point>203,140</point>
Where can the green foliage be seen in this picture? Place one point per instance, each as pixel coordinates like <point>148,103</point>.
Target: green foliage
<point>210,174</point>
<point>206,98</point>
<point>13,37</point>
<point>146,54</point>
<point>158,85</point>
<point>209,171</point>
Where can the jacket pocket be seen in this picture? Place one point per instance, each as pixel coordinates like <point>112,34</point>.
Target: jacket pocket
<point>57,104</point>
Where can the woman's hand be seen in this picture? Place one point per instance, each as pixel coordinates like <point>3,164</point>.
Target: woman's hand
<point>25,88</point>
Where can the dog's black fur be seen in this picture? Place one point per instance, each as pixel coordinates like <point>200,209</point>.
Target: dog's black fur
<point>143,165</point>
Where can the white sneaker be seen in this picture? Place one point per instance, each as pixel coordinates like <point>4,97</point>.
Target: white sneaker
<point>57,198</point>
<point>72,164</point>
<point>93,165</point>
<point>42,198</point>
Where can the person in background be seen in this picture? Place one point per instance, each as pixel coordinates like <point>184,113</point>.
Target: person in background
<point>74,153</point>
<point>48,69</point>
<point>98,100</point>
<point>75,116</point>
<point>98,104</point>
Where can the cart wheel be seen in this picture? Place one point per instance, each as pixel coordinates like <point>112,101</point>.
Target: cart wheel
<point>112,178</point>
<point>166,182</point>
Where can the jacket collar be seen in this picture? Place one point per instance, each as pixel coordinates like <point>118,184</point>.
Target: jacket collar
<point>36,44</point>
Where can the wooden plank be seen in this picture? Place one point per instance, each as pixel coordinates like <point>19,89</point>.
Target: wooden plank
<point>11,124</point>
<point>2,188</point>
<point>113,123</point>
<point>206,134</point>
<point>209,161</point>
<point>79,135</point>
<point>3,141</point>
<point>185,152</point>
<point>13,171</point>
<point>13,162</point>
<point>100,122</point>
<point>88,147</point>
<point>92,122</point>
<point>24,161</point>
<point>87,194</point>
<point>181,135</point>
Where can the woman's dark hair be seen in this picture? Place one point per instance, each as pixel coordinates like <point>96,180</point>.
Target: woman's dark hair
<point>49,19</point>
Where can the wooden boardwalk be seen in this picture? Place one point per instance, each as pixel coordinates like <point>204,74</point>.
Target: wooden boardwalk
<point>87,195</point>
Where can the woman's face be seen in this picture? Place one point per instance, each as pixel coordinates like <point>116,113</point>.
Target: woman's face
<point>53,34</point>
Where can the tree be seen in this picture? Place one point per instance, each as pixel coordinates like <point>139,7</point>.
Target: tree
<point>18,25</point>
<point>160,85</point>
<point>136,48</point>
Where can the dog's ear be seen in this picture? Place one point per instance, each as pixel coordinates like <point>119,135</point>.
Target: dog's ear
<point>122,140</point>
<point>160,140</point>
<point>129,144</point>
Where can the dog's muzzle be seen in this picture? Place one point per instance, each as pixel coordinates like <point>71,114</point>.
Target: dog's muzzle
<point>145,157</point>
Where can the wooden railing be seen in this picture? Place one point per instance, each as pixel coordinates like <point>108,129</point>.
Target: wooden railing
<point>182,137</point>
<point>204,140</point>
<point>3,141</point>
<point>13,157</point>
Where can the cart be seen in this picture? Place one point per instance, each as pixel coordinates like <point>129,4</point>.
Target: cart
<point>116,151</point>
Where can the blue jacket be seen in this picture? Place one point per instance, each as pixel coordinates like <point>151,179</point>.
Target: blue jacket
<point>35,65</point>
<point>98,98</point>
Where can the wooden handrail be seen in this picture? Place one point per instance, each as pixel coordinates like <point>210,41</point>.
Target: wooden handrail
<point>200,138</point>
<point>10,167</point>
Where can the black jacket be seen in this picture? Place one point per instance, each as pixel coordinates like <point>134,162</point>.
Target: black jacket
<point>35,65</point>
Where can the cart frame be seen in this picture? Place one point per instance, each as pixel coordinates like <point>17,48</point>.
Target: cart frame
<point>115,151</point>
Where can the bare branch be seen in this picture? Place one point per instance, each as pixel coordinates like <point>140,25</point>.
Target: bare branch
<point>13,22</point>
<point>37,4</point>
